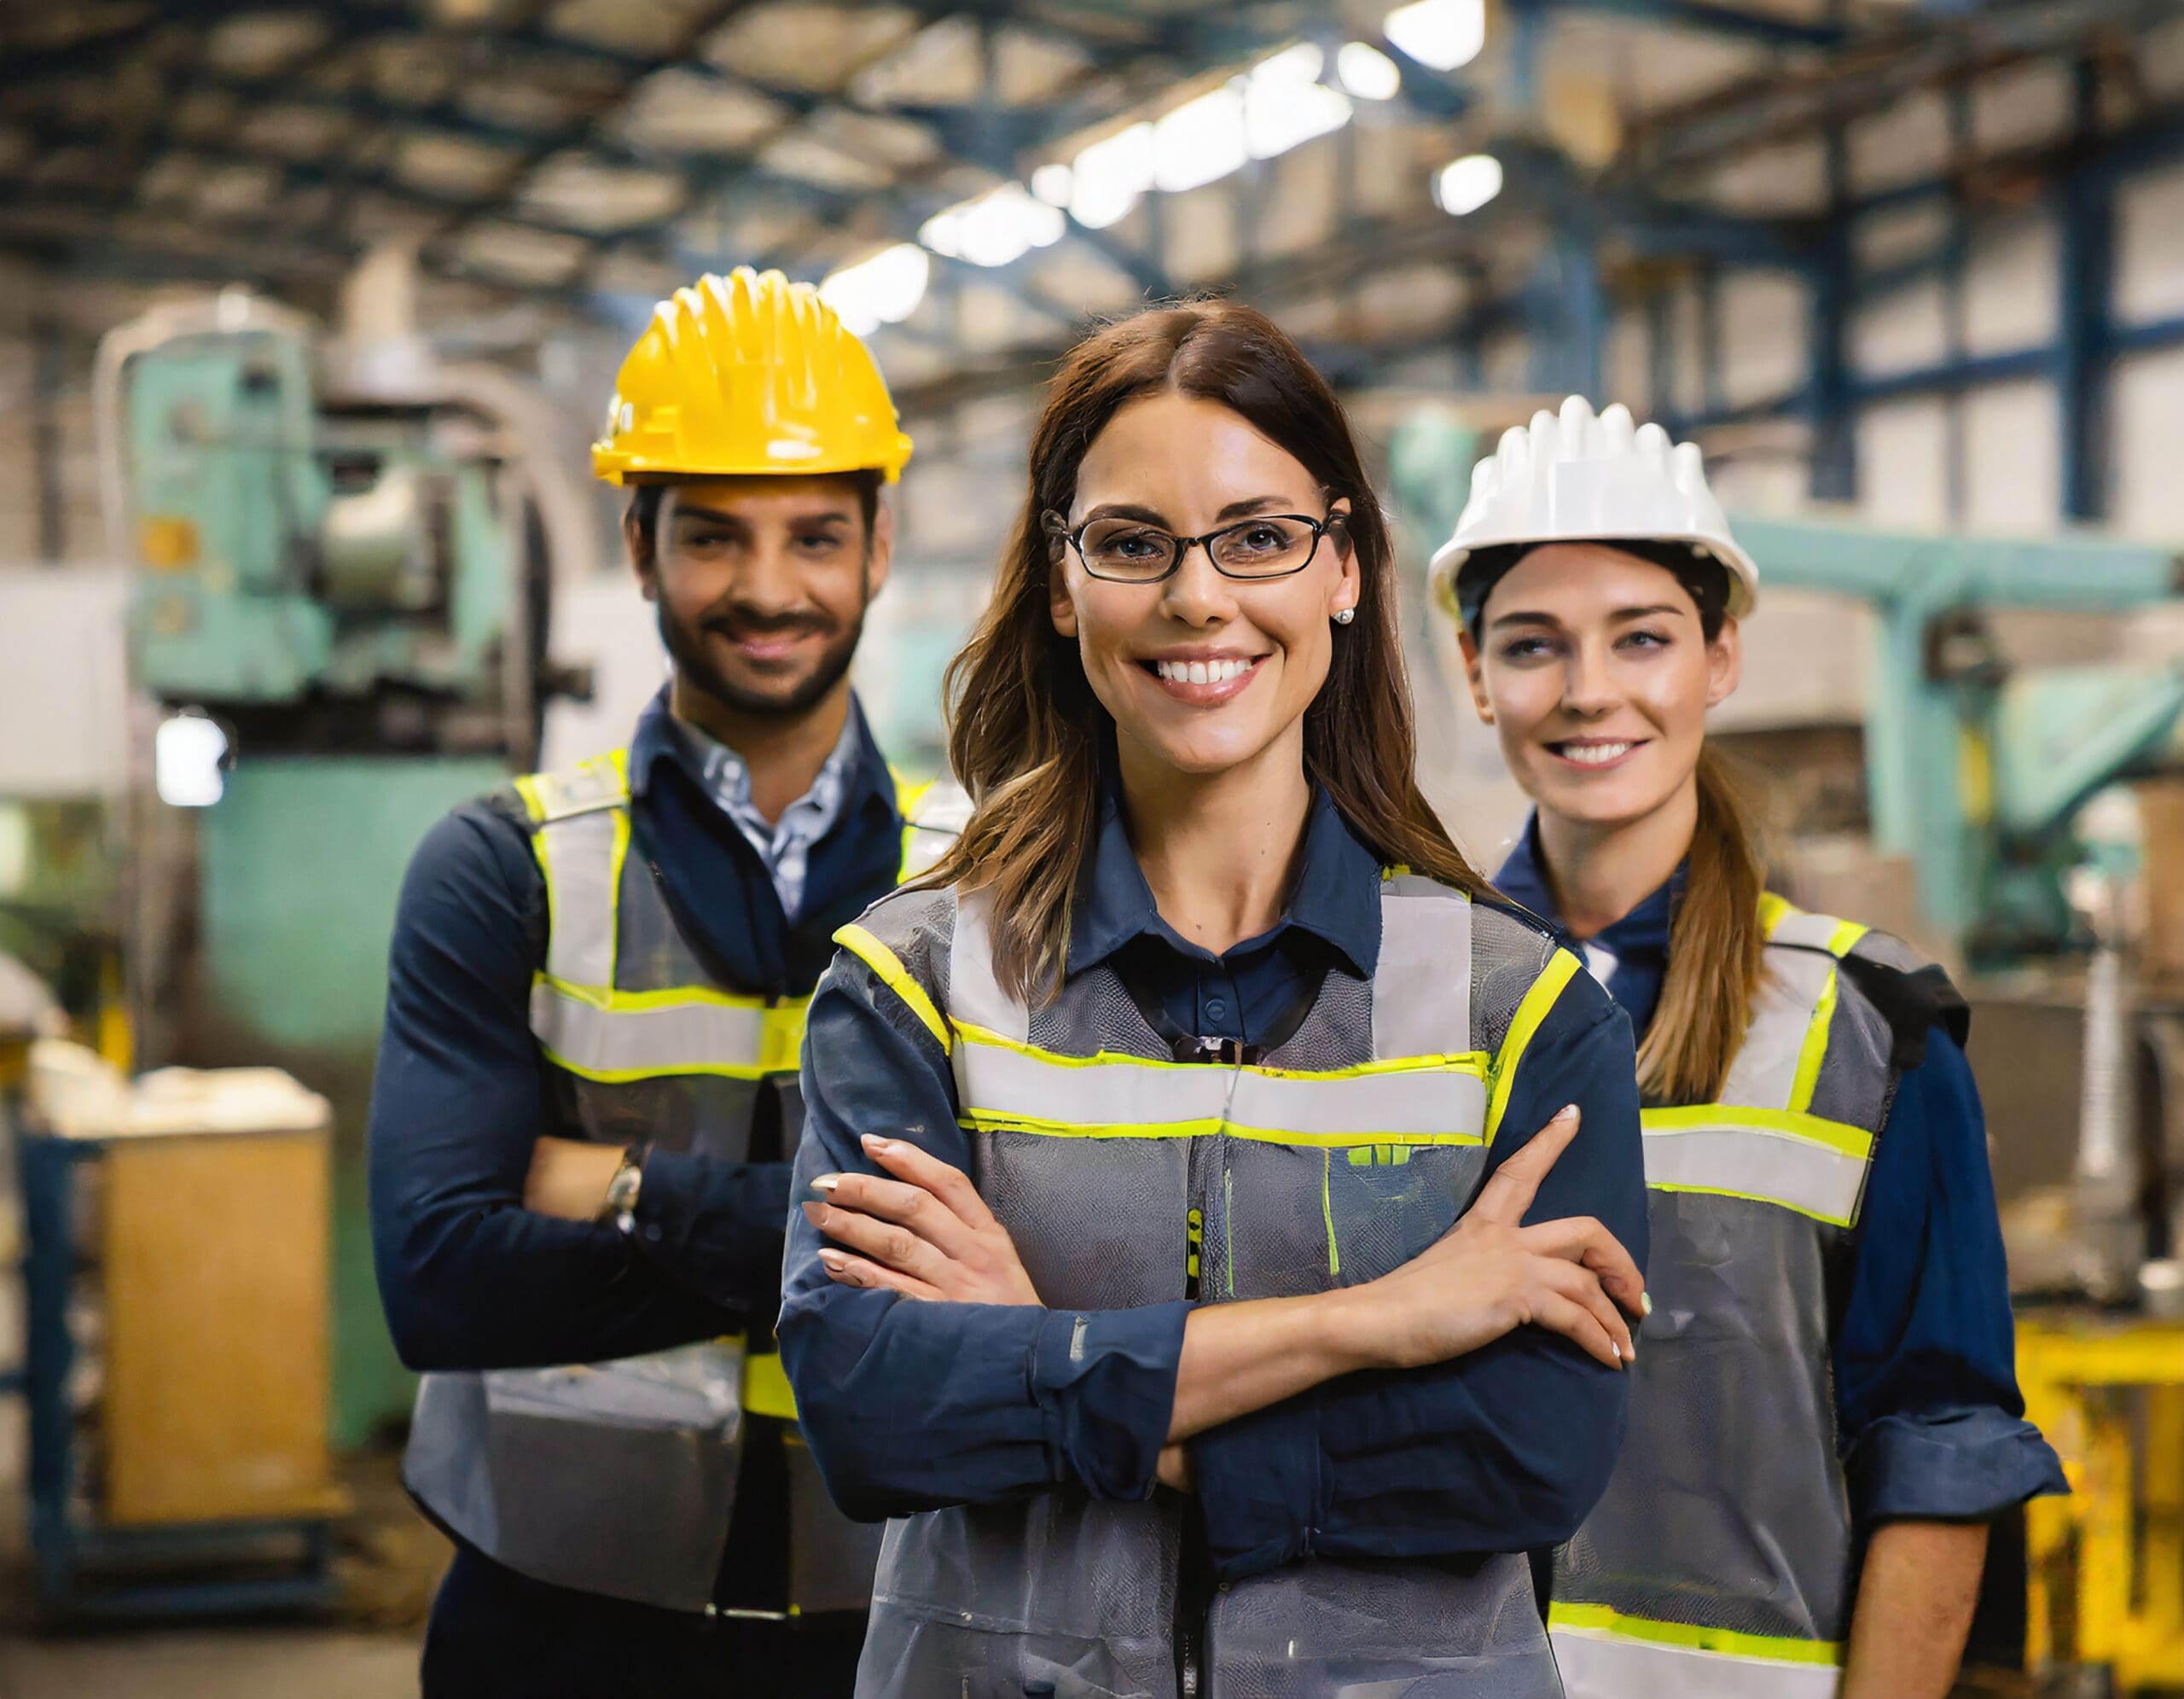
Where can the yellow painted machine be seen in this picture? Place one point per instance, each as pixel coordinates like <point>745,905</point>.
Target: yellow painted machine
<point>2106,1580</point>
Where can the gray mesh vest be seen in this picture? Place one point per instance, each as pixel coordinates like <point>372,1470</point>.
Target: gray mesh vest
<point>619,1478</point>
<point>1717,1564</point>
<point>1124,1170</point>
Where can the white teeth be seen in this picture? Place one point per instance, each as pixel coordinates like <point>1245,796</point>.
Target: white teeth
<point>1201,672</point>
<point>1594,754</point>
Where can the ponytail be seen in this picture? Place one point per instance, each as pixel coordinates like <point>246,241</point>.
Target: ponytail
<point>1714,949</point>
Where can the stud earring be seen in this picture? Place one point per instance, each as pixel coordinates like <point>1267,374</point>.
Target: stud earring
<point>1343,616</point>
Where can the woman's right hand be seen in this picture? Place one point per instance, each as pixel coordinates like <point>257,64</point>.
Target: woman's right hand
<point>1488,1275</point>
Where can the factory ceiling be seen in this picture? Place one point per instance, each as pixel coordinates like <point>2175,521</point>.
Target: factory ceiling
<point>592,153</point>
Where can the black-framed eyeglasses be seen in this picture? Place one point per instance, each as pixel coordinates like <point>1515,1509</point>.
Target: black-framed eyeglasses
<point>1132,551</point>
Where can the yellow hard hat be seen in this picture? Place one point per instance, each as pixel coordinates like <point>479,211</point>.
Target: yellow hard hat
<point>748,373</point>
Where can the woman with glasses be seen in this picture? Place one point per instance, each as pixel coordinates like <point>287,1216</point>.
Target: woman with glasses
<point>1222,1208</point>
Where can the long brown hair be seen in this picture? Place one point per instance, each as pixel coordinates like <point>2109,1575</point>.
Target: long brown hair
<point>1714,948</point>
<point>1025,728</point>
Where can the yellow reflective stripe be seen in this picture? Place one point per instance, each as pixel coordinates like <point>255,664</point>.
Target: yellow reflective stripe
<point>1327,1209</point>
<point>1814,1051</point>
<point>889,966</point>
<point>1560,969</point>
<point>630,1076</point>
<point>980,1120</point>
<point>1473,1063</point>
<point>1600,1620</point>
<point>615,859</point>
<point>766,1390</point>
<point>1773,911</point>
<point>534,802</point>
<point>1852,1141</point>
<point>1844,938</point>
<point>675,997</point>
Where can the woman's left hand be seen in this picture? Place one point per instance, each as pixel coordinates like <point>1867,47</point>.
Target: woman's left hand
<point>926,1233</point>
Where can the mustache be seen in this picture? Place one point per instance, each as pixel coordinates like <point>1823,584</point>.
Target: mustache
<point>755,622</point>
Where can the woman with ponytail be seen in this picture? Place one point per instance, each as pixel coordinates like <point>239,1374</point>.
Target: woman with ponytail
<point>1824,1413</point>
<point>1218,1263</point>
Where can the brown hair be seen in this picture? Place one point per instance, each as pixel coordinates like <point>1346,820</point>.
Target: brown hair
<point>1713,947</point>
<point>1025,728</point>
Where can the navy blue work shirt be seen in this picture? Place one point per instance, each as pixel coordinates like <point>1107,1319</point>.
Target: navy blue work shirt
<point>1928,1409</point>
<point>916,1406</point>
<point>469,1278</point>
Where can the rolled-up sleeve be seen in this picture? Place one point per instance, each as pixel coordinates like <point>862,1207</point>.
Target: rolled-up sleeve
<point>1503,1449</point>
<point>1926,1374</point>
<point>909,1405</point>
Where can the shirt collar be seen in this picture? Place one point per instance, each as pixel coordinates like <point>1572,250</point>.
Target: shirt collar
<point>1523,878</point>
<point>660,736</point>
<point>1337,898</point>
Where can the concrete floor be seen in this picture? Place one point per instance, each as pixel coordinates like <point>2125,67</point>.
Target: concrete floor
<point>212,1663</point>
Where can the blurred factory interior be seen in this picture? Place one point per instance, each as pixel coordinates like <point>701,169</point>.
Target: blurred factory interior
<point>308,311</point>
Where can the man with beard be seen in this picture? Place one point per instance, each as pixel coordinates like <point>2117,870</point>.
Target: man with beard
<point>586,1099</point>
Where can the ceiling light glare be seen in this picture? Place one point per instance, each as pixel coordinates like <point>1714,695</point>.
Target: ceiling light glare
<point>187,752</point>
<point>1464,185</point>
<point>1442,33</point>
<point>1285,103</point>
<point>1107,178</point>
<point>885,289</point>
<point>1200,141</point>
<point>1051,183</point>
<point>1001,226</point>
<point>1366,72</point>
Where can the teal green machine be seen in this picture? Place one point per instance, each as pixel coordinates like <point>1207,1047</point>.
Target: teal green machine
<point>1976,769</point>
<point>353,586</point>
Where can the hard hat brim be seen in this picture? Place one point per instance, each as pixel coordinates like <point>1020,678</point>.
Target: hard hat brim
<point>619,466</point>
<point>1448,560</point>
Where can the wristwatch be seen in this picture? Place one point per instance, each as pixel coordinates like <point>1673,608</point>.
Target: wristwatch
<point>619,1206</point>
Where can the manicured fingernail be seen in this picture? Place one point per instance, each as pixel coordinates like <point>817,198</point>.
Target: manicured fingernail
<point>834,1261</point>
<point>1645,1303</point>
<point>1616,1348</point>
<point>813,1212</point>
<point>1631,1355</point>
<point>826,1182</point>
<point>873,1142</point>
<point>1567,1112</point>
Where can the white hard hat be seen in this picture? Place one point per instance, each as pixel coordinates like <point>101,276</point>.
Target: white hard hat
<point>1578,478</point>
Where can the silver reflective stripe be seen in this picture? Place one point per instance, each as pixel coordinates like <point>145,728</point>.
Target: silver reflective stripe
<point>1765,1072</point>
<point>597,783</point>
<point>579,861</point>
<point>1421,987</point>
<point>1612,1666</point>
<point>699,1036</point>
<point>998,1084</point>
<point>1710,1149</point>
<point>974,995</point>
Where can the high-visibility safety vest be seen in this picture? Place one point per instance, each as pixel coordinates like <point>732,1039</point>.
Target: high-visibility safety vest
<point>1717,1564</point>
<point>1136,1165</point>
<point>619,1478</point>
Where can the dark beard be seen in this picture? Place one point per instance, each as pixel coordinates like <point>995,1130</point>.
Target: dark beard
<point>696,667</point>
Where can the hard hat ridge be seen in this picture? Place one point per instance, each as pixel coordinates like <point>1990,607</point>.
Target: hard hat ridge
<point>1574,475</point>
<point>748,374</point>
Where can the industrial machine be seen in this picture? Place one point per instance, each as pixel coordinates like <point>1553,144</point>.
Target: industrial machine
<point>345,551</point>
<point>1975,769</point>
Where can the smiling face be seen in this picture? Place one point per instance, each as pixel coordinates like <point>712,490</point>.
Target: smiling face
<point>1203,674</point>
<point>1592,666</point>
<point>762,585</point>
